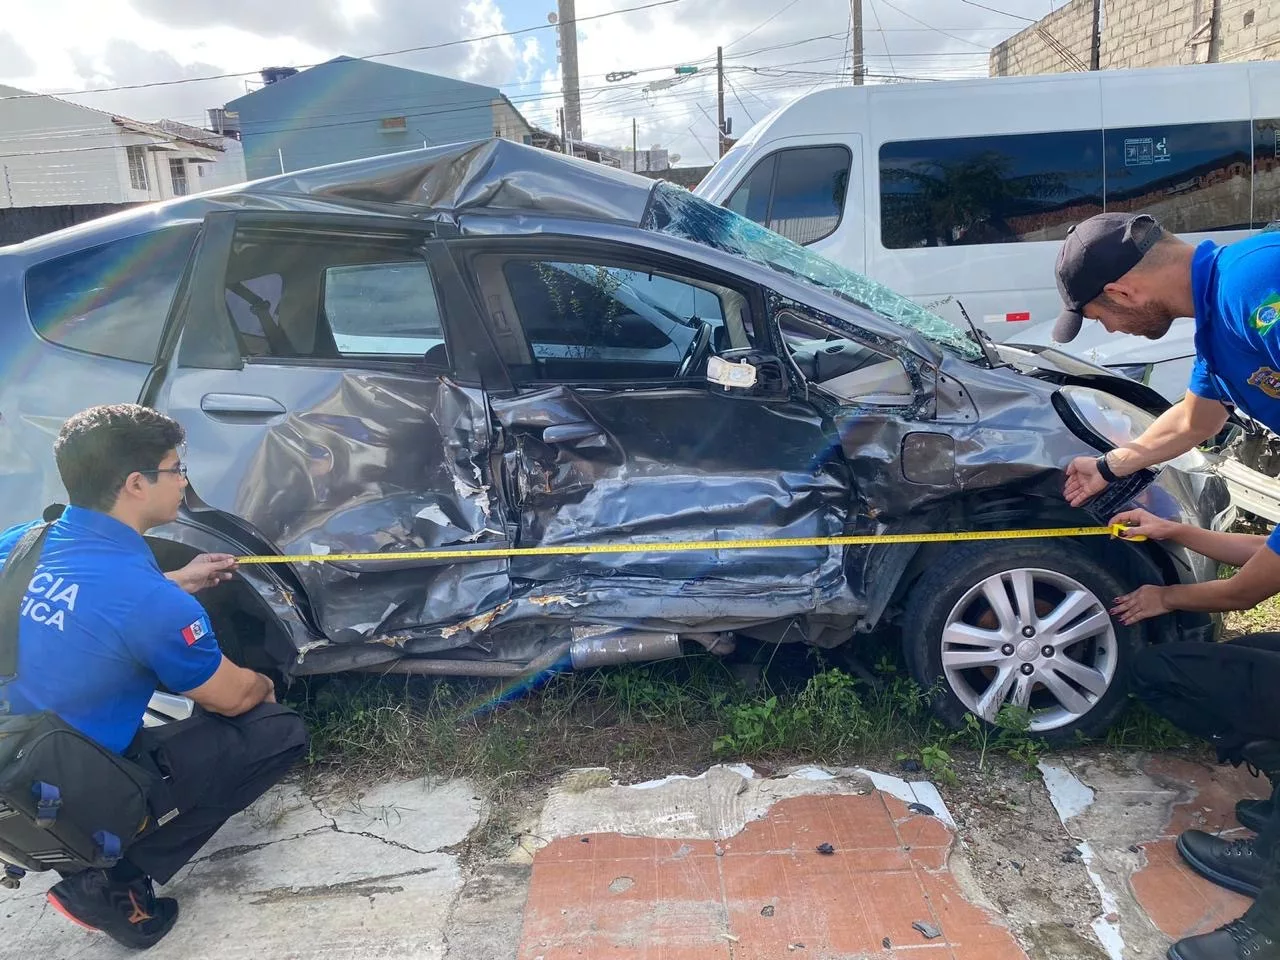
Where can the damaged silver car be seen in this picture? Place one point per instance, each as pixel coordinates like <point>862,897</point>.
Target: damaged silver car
<point>488,345</point>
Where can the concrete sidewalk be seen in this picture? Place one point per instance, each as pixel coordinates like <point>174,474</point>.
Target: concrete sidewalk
<point>733,865</point>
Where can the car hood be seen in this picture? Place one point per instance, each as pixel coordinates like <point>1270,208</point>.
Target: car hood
<point>1057,366</point>
<point>1115,349</point>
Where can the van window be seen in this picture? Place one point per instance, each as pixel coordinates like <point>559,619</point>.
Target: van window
<point>1266,172</point>
<point>976,190</point>
<point>1189,176</point>
<point>798,193</point>
<point>111,300</point>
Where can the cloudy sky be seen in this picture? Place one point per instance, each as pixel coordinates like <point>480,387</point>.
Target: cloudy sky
<point>774,50</point>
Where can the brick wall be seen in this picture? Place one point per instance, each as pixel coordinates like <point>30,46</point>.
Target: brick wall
<point>1143,33</point>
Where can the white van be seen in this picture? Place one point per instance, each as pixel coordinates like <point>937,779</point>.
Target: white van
<point>960,192</point>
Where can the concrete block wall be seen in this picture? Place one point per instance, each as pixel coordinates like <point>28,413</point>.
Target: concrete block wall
<point>1144,33</point>
<point>1029,52</point>
<point>1248,30</point>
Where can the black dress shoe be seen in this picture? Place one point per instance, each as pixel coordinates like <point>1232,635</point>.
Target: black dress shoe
<point>1237,940</point>
<point>130,913</point>
<point>1234,864</point>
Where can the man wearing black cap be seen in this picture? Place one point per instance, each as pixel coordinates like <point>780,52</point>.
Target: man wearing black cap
<point>1126,272</point>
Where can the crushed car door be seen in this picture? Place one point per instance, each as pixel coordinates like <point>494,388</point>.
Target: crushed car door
<point>612,434</point>
<point>332,406</point>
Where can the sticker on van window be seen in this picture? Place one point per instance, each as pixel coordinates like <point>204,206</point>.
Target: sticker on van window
<point>1145,151</point>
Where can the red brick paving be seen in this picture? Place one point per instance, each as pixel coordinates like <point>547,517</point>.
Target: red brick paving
<point>763,894</point>
<point>1178,901</point>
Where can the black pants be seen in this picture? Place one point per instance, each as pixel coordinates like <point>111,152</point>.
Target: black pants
<point>1223,692</point>
<point>217,766</point>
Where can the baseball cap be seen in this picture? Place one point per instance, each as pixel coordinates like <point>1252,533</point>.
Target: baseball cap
<point>1096,252</point>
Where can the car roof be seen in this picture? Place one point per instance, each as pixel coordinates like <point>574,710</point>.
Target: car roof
<point>493,177</point>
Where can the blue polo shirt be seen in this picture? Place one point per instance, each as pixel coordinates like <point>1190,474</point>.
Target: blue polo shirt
<point>1237,338</point>
<point>101,628</point>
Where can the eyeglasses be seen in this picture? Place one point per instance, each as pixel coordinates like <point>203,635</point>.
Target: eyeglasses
<point>180,470</point>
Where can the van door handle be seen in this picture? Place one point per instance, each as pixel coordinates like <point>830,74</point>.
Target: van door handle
<point>241,406</point>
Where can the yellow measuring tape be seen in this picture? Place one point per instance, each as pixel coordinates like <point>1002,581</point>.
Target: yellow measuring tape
<point>1113,530</point>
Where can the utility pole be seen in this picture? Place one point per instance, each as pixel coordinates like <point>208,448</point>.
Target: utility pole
<point>1095,43</point>
<point>635,140</point>
<point>859,67</point>
<point>568,25</point>
<point>720,97</point>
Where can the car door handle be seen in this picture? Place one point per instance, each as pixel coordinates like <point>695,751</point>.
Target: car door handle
<point>241,405</point>
<point>571,432</point>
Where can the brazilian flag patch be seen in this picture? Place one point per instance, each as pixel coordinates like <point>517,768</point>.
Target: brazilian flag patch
<point>1268,312</point>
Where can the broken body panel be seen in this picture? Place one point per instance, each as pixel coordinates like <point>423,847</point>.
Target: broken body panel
<point>322,455</point>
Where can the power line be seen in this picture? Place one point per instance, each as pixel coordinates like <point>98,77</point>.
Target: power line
<point>371,56</point>
<point>909,16</point>
<point>1003,13</point>
<point>739,99</point>
<point>764,24</point>
<point>883,38</point>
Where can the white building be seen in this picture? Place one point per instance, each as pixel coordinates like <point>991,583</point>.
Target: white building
<point>58,154</point>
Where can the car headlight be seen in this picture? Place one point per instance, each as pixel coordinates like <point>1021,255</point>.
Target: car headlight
<point>1110,422</point>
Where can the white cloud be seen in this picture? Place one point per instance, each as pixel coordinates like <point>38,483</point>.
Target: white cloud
<point>116,42</point>
<point>15,63</point>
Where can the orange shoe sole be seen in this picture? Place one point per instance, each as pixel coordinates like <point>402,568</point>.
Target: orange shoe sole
<point>57,905</point>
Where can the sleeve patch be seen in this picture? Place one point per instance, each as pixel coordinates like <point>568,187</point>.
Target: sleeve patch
<point>196,631</point>
<point>1266,314</point>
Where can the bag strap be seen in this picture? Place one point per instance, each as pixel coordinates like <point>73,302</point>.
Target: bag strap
<point>19,568</point>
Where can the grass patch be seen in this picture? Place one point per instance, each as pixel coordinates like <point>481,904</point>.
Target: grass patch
<point>1262,618</point>
<point>640,721</point>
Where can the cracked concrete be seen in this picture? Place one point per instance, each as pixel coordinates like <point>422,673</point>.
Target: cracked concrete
<point>294,877</point>
<point>1080,866</point>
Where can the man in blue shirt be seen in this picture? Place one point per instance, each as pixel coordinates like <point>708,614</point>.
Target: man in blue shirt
<point>101,628</point>
<point>1126,272</point>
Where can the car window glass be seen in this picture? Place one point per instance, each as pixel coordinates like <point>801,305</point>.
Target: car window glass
<point>844,368</point>
<point>328,301</point>
<point>382,308</point>
<point>629,322</point>
<point>111,300</point>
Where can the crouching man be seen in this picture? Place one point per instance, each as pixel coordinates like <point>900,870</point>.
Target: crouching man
<point>1225,693</point>
<point>116,630</point>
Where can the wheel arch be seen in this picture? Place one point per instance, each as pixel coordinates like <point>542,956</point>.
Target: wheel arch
<point>261,617</point>
<point>891,571</point>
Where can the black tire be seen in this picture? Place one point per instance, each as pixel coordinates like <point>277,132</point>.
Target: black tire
<point>961,568</point>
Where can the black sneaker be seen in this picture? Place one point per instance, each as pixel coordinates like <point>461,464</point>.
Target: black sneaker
<point>1234,864</point>
<point>1237,940</point>
<point>129,913</point>
<point>1253,814</point>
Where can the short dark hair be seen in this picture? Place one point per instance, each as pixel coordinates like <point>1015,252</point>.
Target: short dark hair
<point>98,448</point>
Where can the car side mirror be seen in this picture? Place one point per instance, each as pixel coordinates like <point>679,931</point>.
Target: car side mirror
<point>748,374</point>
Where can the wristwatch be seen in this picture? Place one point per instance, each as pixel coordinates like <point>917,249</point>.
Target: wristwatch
<point>1104,468</point>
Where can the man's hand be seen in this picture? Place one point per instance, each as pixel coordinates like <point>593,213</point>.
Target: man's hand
<point>206,570</point>
<point>1142,523</point>
<point>1083,481</point>
<point>1143,604</point>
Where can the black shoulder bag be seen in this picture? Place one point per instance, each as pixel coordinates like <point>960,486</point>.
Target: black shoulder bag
<point>66,802</point>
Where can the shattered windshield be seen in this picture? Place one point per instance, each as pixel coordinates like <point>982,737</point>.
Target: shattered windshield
<point>677,212</point>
